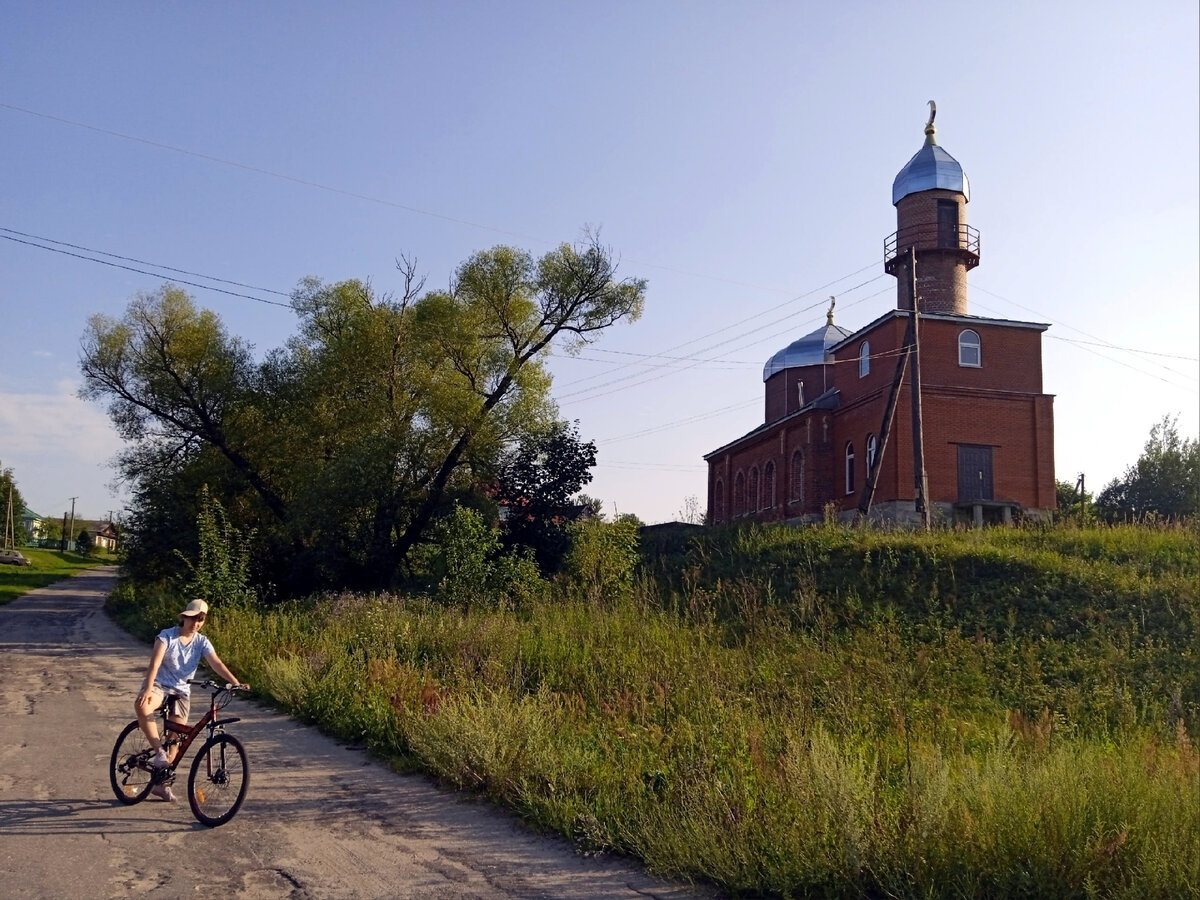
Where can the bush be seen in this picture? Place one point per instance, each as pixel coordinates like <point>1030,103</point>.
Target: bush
<point>471,571</point>
<point>603,559</point>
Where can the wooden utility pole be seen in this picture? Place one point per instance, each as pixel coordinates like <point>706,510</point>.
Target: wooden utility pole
<point>920,478</point>
<point>71,533</point>
<point>885,429</point>
<point>10,530</point>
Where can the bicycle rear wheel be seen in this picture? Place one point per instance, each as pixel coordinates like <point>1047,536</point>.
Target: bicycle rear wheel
<point>129,768</point>
<point>218,780</point>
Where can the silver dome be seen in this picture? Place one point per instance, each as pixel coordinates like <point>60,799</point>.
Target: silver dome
<point>807,351</point>
<point>931,167</point>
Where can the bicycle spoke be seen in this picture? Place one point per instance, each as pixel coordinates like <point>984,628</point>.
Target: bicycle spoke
<point>218,780</point>
<point>129,767</point>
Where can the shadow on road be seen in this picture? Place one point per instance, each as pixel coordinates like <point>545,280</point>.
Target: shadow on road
<point>81,816</point>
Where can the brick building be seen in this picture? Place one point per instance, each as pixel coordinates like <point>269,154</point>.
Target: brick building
<point>987,428</point>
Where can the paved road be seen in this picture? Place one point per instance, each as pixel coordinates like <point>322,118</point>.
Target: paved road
<point>320,821</point>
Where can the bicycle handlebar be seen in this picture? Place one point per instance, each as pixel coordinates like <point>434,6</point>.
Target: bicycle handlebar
<point>209,683</point>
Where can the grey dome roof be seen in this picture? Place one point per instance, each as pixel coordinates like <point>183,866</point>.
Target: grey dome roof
<point>807,351</point>
<point>931,167</point>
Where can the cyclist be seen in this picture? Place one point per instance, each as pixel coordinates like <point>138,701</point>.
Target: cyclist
<point>176,654</point>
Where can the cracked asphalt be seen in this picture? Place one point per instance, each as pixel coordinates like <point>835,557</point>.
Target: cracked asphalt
<point>321,820</point>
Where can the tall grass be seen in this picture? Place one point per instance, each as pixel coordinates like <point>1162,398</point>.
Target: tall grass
<point>841,718</point>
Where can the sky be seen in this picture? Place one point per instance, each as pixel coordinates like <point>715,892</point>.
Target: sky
<point>739,156</point>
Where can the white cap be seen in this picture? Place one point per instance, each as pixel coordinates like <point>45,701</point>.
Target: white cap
<point>196,608</point>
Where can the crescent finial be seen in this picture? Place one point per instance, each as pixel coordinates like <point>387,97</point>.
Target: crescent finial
<point>930,131</point>
<point>829,315</point>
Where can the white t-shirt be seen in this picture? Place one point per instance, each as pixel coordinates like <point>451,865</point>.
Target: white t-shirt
<point>180,660</point>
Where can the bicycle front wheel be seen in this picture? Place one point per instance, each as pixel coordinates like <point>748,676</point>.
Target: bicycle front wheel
<point>129,768</point>
<point>218,780</point>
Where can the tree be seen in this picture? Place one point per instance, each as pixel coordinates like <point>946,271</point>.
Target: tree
<point>536,482</point>
<point>1074,502</point>
<point>342,447</point>
<point>174,381</point>
<point>1165,481</point>
<point>13,502</point>
<point>691,513</point>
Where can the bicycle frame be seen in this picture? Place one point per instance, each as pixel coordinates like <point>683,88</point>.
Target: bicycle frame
<point>209,720</point>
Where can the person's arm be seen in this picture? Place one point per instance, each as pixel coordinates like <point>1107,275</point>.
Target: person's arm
<point>214,663</point>
<point>156,658</point>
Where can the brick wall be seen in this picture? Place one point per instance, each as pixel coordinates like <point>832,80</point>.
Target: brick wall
<point>941,275</point>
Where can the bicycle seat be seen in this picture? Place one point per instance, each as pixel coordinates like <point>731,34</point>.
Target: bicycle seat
<point>167,707</point>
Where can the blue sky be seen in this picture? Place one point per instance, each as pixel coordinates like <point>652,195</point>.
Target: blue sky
<point>737,155</point>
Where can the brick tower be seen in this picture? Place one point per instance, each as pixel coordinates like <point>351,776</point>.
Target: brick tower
<point>931,195</point>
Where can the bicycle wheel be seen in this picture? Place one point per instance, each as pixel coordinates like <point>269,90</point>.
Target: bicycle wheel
<point>129,767</point>
<point>218,780</point>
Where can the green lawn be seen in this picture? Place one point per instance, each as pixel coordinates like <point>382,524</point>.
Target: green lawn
<point>48,567</point>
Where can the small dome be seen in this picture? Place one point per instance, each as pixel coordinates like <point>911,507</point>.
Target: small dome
<point>807,351</point>
<point>931,167</point>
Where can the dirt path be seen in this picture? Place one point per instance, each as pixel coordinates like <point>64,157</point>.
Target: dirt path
<point>320,820</point>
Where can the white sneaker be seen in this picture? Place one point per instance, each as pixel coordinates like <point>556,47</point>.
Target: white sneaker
<point>160,760</point>
<point>164,791</point>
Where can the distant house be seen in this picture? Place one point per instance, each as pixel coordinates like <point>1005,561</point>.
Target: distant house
<point>31,522</point>
<point>105,536</point>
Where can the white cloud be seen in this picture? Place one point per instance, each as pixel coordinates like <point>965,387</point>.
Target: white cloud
<point>59,447</point>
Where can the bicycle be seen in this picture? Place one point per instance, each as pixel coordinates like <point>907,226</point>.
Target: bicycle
<point>219,776</point>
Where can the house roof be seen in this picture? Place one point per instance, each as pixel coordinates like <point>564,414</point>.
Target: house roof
<point>941,317</point>
<point>806,351</point>
<point>828,400</point>
<point>931,168</point>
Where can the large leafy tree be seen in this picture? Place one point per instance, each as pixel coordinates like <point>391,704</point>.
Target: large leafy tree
<point>175,382</point>
<point>1165,481</point>
<point>355,435</point>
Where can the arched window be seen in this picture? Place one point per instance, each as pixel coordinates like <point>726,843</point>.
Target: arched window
<point>769,485</point>
<point>864,359</point>
<point>849,468</point>
<point>718,512</point>
<point>969,351</point>
<point>797,495</point>
<point>872,449</point>
<point>739,495</point>
<point>753,496</point>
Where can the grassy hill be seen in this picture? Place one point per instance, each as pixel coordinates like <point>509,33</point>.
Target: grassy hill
<point>819,712</point>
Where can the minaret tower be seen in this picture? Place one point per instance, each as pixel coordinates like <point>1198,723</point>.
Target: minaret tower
<point>931,195</point>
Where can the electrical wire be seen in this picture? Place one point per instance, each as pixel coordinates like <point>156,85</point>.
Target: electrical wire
<point>46,240</point>
<point>356,195</point>
<point>115,265</point>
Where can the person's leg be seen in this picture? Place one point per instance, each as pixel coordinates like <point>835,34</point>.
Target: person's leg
<point>179,715</point>
<point>145,710</point>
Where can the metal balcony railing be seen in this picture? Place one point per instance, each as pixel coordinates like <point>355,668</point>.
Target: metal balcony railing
<point>960,239</point>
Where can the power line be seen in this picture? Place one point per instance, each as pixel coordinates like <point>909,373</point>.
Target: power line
<point>1125,349</point>
<point>356,195</point>
<point>115,265</point>
<point>590,393</point>
<point>1102,343</point>
<point>38,237</point>
<point>667,426</point>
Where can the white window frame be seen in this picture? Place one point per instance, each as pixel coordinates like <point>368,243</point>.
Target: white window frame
<point>975,347</point>
<point>849,468</point>
<point>864,359</point>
